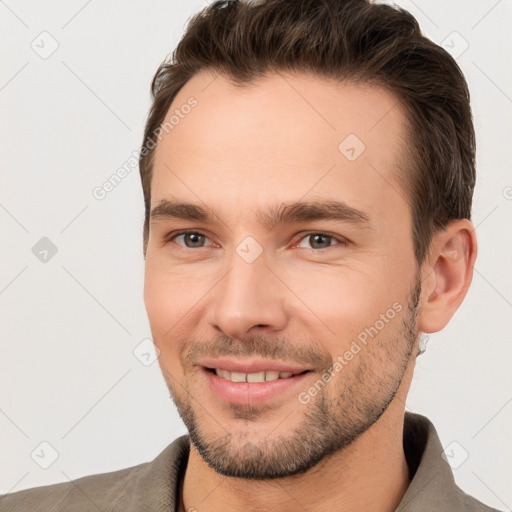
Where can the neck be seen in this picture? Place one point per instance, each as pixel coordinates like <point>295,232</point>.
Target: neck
<point>369,474</point>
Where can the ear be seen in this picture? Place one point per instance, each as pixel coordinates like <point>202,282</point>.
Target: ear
<point>446,274</point>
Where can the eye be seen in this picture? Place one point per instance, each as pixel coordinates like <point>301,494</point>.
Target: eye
<point>318,241</point>
<point>191,239</point>
<point>321,241</point>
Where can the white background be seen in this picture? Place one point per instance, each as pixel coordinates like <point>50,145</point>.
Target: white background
<point>68,327</point>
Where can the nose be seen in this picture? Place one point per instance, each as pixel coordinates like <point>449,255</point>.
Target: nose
<point>249,298</point>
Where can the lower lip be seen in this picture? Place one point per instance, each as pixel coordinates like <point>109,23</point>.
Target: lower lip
<point>251,393</point>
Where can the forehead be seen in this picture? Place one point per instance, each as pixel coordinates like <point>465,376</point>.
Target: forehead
<point>280,138</point>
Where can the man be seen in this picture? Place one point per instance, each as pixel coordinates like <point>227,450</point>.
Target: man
<point>308,169</point>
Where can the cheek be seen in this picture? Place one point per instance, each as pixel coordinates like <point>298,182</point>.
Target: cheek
<point>170,299</point>
<point>341,302</point>
<point>171,291</point>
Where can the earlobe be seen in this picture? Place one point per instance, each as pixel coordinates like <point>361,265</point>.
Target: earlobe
<point>447,274</point>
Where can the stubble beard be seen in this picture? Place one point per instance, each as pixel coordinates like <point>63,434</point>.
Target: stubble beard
<point>333,420</point>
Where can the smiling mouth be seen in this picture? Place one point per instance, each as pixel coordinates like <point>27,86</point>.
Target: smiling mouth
<point>263,376</point>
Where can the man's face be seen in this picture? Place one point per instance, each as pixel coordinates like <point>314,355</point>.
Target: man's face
<point>331,299</point>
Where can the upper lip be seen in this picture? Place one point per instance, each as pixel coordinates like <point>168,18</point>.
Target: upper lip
<point>251,365</point>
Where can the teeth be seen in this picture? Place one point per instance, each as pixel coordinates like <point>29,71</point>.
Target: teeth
<point>271,376</point>
<point>238,377</point>
<point>256,377</point>
<point>252,377</point>
<point>224,373</point>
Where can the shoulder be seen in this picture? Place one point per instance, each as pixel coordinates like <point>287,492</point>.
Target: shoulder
<point>147,486</point>
<point>470,504</point>
<point>432,486</point>
<point>82,494</point>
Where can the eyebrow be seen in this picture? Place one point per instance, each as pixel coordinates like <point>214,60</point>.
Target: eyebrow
<point>291,213</point>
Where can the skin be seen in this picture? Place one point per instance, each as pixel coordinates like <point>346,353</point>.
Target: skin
<point>239,152</point>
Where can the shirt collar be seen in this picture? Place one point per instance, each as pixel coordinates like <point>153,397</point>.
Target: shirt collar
<point>432,486</point>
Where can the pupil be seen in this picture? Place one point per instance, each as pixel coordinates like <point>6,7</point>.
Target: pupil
<point>195,239</point>
<point>319,237</point>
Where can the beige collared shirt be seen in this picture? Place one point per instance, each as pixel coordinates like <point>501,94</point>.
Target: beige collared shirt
<point>154,486</point>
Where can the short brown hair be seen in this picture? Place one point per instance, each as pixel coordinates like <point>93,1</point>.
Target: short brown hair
<point>345,40</point>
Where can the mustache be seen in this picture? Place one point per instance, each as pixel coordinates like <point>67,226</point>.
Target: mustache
<point>311,354</point>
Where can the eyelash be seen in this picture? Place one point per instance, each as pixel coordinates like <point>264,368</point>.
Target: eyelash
<point>342,242</point>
